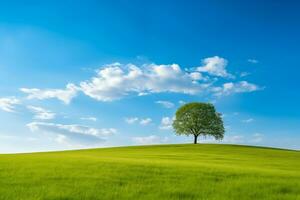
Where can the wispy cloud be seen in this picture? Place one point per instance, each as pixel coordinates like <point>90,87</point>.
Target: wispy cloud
<point>166,104</point>
<point>8,104</point>
<point>143,121</point>
<point>73,132</point>
<point>239,87</point>
<point>65,95</point>
<point>94,119</point>
<point>181,102</point>
<point>248,120</point>
<point>131,120</point>
<point>41,113</point>
<point>244,74</point>
<point>254,61</point>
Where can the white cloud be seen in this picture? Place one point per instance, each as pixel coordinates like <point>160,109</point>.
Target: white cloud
<point>244,74</point>
<point>254,61</point>
<point>166,104</point>
<point>231,88</point>
<point>215,66</point>
<point>197,76</point>
<point>94,119</point>
<point>248,120</point>
<point>116,81</point>
<point>74,132</point>
<point>145,121</point>
<point>131,120</point>
<point>41,113</point>
<point>166,123</point>
<point>65,95</point>
<point>8,104</point>
<point>152,139</point>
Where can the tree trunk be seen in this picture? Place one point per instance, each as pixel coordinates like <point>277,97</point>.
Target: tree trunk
<point>195,139</point>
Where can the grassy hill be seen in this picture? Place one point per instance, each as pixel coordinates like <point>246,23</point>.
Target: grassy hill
<point>204,171</point>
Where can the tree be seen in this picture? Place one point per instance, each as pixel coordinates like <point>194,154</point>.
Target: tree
<point>199,119</point>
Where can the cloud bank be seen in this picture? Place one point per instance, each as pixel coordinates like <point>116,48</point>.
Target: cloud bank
<point>116,81</point>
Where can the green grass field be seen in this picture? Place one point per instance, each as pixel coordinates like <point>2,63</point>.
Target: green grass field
<point>204,171</point>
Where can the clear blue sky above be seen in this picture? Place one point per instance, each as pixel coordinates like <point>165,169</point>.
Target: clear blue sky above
<point>77,74</point>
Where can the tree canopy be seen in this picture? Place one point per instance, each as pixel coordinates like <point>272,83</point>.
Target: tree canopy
<point>199,119</point>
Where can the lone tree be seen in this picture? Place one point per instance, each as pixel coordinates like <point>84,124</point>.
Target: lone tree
<point>199,119</point>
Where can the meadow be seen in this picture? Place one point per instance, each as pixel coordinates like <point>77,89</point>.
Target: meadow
<point>203,171</point>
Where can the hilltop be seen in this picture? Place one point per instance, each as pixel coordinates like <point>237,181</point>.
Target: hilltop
<point>204,171</point>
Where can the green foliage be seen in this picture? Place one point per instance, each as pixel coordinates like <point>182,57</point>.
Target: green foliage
<point>199,119</point>
<point>166,172</point>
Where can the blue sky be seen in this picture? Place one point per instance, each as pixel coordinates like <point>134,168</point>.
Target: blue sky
<point>79,74</point>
